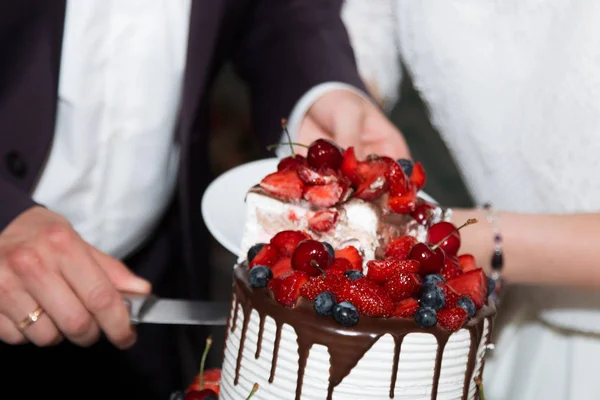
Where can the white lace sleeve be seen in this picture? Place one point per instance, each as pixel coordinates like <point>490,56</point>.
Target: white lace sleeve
<point>372,28</point>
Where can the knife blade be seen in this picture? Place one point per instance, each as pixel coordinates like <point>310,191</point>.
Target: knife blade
<point>150,309</point>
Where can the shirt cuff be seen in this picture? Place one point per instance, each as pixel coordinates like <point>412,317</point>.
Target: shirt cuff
<point>302,106</point>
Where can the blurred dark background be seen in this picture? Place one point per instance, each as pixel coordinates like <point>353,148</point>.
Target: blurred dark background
<point>233,143</point>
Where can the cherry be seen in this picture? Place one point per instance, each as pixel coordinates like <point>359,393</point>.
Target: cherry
<point>437,233</point>
<point>311,256</point>
<point>432,258</point>
<point>291,162</point>
<point>324,154</point>
<point>422,213</point>
<point>205,394</point>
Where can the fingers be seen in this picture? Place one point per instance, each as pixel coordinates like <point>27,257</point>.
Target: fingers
<point>380,136</point>
<point>309,132</point>
<point>123,279</point>
<point>15,306</point>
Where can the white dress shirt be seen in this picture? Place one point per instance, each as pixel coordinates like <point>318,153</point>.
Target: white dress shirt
<point>113,165</point>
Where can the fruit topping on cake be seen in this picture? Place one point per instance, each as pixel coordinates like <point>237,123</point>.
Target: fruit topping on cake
<point>426,282</point>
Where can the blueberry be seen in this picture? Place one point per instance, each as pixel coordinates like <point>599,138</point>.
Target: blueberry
<point>432,296</point>
<point>324,303</point>
<point>407,166</point>
<point>345,314</point>
<point>432,279</point>
<point>177,395</point>
<point>353,274</point>
<point>253,251</point>
<point>491,286</point>
<point>467,304</point>
<point>329,249</point>
<point>426,317</point>
<point>259,276</point>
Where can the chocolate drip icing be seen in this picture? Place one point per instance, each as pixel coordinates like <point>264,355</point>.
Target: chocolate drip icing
<point>346,346</point>
<point>235,313</point>
<point>242,341</point>
<point>261,327</point>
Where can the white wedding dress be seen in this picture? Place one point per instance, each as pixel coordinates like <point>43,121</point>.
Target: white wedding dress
<point>513,86</point>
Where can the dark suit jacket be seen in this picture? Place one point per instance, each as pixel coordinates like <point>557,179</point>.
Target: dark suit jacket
<point>280,47</point>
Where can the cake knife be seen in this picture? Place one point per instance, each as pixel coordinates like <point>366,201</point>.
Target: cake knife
<point>150,309</point>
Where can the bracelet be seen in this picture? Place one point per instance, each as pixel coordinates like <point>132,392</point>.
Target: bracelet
<point>497,261</point>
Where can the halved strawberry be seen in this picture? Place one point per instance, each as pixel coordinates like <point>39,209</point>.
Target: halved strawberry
<point>286,241</point>
<point>372,176</point>
<point>451,268</point>
<point>318,284</point>
<point>284,184</point>
<point>282,266</point>
<point>473,284</point>
<point>418,175</point>
<point>311,176</point>
<point>452,319</point>
<point>367,296</point>
<point>450,295</point>
<point>322,221</point>
<point>406,308</point>
<point>403,285</point>
<point>467,262</point>
<point>267,256</point>
<point>397,180</point>
<point>324,196</point>
<point>291,162</point>
<point>382,270</point>
<point>211,378</point>
<point>403,203</point>
<point>400,247</point>
<point>339,266</point>
<point>351,254</point>
<point>349,166</point>
<point>286,288</point>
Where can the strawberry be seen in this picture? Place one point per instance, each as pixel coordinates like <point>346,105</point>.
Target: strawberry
<point>267,256</point>
<point>284,184</point>
<point>311,176</point>
<point>451,268</point>
<point>368,297</point>
<point>467,262</point>
<point>325,196</point>
<point>400,247</point>
<point>473,284</point>
<point>382,270</point>
<point>403,203</point>
<point>406,308</point>
<point>452,319</point>
<point>403,285</point>
<point>282,266</point>
<point>291,162</point>
<point>351,254</point>
<point>212,381</point>
<point>338,267</point>
<point>350,165</point>
<point>286,241</point>
<point>397,180</point>
<point>372,179</point>
<point>322,221</point>
<point>286,288</point>
<point>417,177</point>
<point>319,284</point>
<point>450,295</point>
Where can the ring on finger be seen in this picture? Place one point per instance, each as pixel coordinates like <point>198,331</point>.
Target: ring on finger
<point>31,318</point>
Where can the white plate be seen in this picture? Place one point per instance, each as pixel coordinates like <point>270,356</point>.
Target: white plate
<point>223,206</point>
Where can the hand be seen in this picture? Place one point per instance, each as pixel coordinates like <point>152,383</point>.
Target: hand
<point>45,263</point>
<point>350,120</point>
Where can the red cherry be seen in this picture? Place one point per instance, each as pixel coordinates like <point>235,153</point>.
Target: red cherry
<point>291,162</point>
<point>431,259</point>
<point>422,213</point>
<point>311,256</point>
<point>439,233</point>
<point>324,154</point>
<point>205,394</point>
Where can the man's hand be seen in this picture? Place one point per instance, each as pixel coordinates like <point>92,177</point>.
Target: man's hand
<point>350,120</point>
<point>45,263</point>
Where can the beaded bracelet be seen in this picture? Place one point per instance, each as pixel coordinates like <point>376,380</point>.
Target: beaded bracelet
<point>497,261</point>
